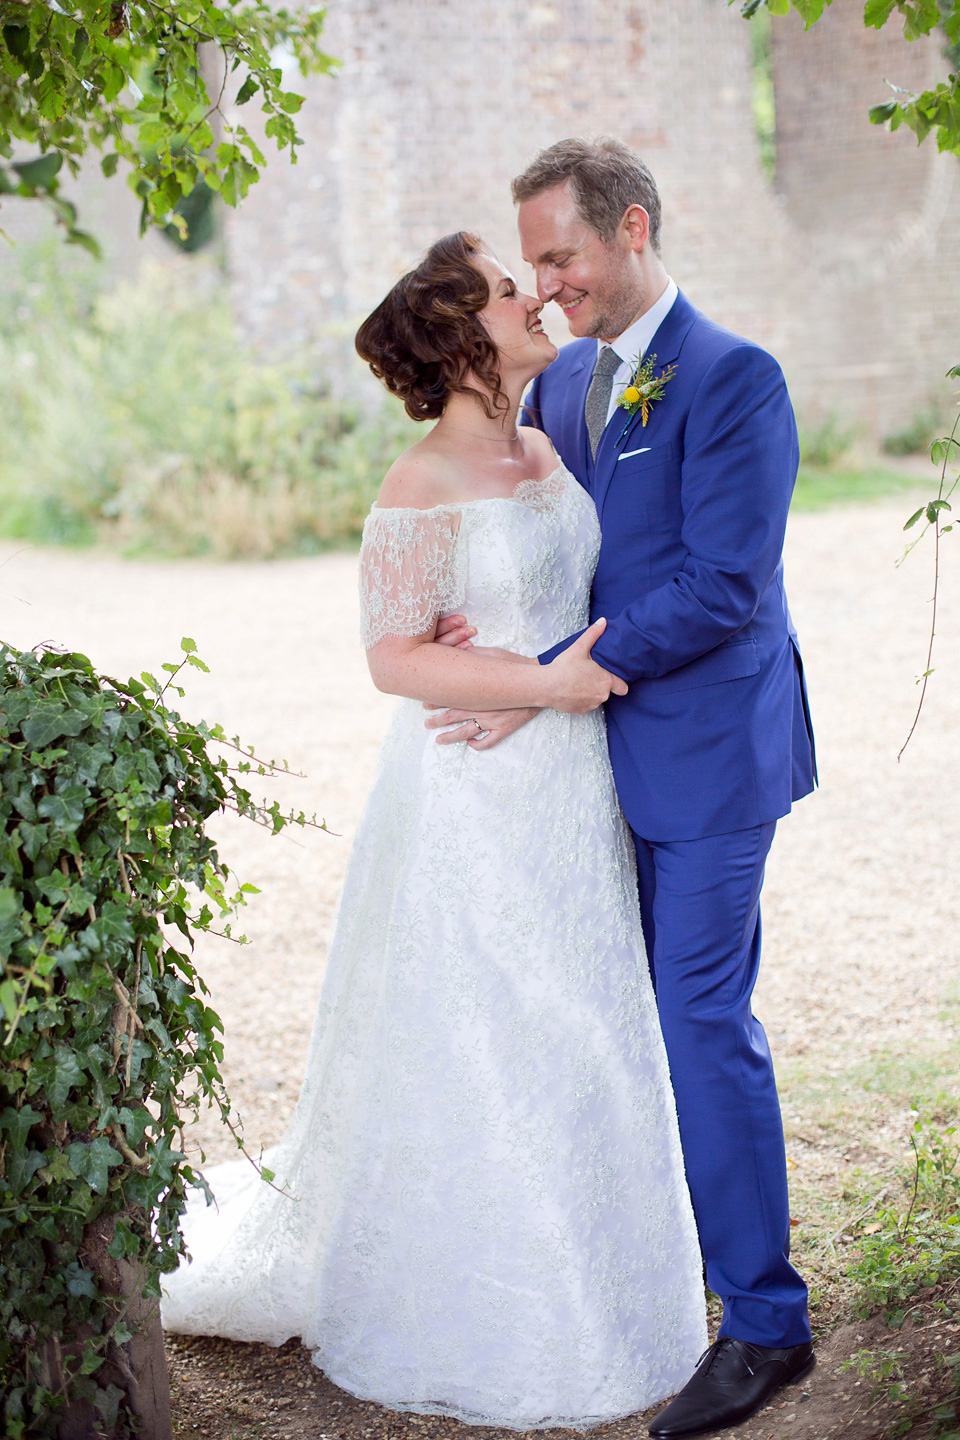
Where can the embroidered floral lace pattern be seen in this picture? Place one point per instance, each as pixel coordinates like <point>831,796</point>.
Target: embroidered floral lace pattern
<point>491,1219</point>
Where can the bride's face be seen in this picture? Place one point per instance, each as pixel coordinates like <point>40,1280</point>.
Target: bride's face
<point>512,320</point>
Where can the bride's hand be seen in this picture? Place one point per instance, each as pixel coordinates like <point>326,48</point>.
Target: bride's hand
<point>480,729</point>
<point>576,683</point>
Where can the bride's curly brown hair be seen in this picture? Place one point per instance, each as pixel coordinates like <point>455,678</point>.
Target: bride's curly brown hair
<point>425,341</point>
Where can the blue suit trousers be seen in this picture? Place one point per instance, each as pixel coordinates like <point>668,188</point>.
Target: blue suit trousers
<point>700,907</point>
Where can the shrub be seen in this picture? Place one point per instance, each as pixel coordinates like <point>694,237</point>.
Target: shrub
<point>914,1242</point>
<point>914,438</point>
<point>136,416</point>
<point>107,1036</point>
<point>824,444</point>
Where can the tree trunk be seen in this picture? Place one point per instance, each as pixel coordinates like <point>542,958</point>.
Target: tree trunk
<point>138,1369</point>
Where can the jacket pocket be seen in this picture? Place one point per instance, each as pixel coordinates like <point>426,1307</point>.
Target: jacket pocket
<point>733,660</point>
<point>637,459</point>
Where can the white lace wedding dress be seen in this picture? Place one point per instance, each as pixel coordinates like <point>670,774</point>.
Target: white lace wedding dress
<point>490,1217</point>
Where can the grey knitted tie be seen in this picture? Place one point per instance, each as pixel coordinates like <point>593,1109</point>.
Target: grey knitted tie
<point>598,396</point>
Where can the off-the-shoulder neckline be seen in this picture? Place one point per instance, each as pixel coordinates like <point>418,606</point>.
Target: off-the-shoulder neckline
<point>466,504</point>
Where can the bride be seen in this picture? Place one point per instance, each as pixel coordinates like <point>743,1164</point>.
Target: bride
<point>487,1214</point>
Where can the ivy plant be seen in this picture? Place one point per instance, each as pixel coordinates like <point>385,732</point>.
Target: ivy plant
<point>148,85</point>
<point>107,875</point>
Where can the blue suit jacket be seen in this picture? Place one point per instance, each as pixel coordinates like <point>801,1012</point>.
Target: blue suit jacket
<point>715,733</point>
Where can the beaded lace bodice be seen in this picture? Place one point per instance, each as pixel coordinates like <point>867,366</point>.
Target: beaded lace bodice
<point>519,568</point>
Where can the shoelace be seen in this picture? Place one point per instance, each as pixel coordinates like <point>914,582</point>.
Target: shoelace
<point>716,1349</point>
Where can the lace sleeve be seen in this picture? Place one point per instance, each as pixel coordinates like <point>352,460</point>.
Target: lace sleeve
<point>411,571</point>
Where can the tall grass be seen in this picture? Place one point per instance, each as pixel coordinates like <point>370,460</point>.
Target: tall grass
<point>133,414</point>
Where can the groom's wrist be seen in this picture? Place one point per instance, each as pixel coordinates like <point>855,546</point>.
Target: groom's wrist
<point>547,655</point>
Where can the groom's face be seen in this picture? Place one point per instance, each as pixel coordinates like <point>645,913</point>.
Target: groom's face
<point>596,283</point>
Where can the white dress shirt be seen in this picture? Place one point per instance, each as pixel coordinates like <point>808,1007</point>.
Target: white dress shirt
<point>635,342</point>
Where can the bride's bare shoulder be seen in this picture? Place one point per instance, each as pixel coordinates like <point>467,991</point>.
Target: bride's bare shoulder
<point>538,448</point>
<point>418,479</point>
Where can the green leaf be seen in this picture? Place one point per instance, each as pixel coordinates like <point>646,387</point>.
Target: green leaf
<point>19,1123</point>
<point>187,645</point>
<point>40,172</point>
<point>914,518</point>
<point>778,7</point>
<point>67,809</point>
<point>876,13</point>
<point>93,1162</point>
<point>65,1072</point>
<point>80,1281</point>
<point>809,11</point>
<point>48,722</point>
<point>58,1170</point>
<point>248,89</point>
<point>22,1165</point>
<point>880,114</point>
<point>17,40</point>
<point>8,999</point>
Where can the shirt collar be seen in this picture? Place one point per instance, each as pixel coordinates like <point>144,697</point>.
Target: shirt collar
<point>635,340</point>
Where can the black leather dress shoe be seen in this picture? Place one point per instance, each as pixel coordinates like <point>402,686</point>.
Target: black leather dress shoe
<point>733,1379</point>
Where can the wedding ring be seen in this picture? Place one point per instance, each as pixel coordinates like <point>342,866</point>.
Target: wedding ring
<point>480,729</point>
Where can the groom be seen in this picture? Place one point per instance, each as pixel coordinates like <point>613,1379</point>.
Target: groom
<point>712,743</point>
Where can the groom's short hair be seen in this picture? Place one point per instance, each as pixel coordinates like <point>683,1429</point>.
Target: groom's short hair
<point>607,177</point>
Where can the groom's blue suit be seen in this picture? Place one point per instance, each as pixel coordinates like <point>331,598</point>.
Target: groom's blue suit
<point>709,749</point>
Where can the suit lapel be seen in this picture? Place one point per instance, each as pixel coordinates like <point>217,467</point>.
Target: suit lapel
<point>624,431</point>
<point>578,383</point>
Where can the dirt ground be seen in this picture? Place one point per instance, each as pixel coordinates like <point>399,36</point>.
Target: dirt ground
<point>860,908</point>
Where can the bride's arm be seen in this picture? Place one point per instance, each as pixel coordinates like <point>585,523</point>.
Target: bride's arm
<point>424,670</point>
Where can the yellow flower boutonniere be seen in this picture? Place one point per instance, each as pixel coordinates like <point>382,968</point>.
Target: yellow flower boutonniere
<point>644,389</point>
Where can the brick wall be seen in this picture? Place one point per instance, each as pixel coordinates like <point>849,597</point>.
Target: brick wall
<point>845,268</point>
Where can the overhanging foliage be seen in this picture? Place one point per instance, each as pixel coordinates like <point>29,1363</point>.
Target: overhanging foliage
<point>935,111</point>
<point>146,83</point>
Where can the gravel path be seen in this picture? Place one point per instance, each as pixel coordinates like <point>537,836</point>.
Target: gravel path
<point>861,935</point>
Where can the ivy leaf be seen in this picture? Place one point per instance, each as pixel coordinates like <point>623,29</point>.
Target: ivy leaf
<point>22,1165</point>
<point>92,1161</point>
<point>19,1123</point>
<point>66,810</point>
<point>80,1281</point>
<point>65,1073</point>
<point>48,722</point>
<point>57,1171</point>
<point>8,999</point>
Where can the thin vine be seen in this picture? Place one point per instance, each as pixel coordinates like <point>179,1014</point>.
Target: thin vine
<point>942,450</point>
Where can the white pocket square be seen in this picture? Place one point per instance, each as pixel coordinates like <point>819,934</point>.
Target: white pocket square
<point>627,453</point>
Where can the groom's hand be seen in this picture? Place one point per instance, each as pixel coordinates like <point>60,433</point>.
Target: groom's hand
<point>495,724</point>
<point>453,630</point>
